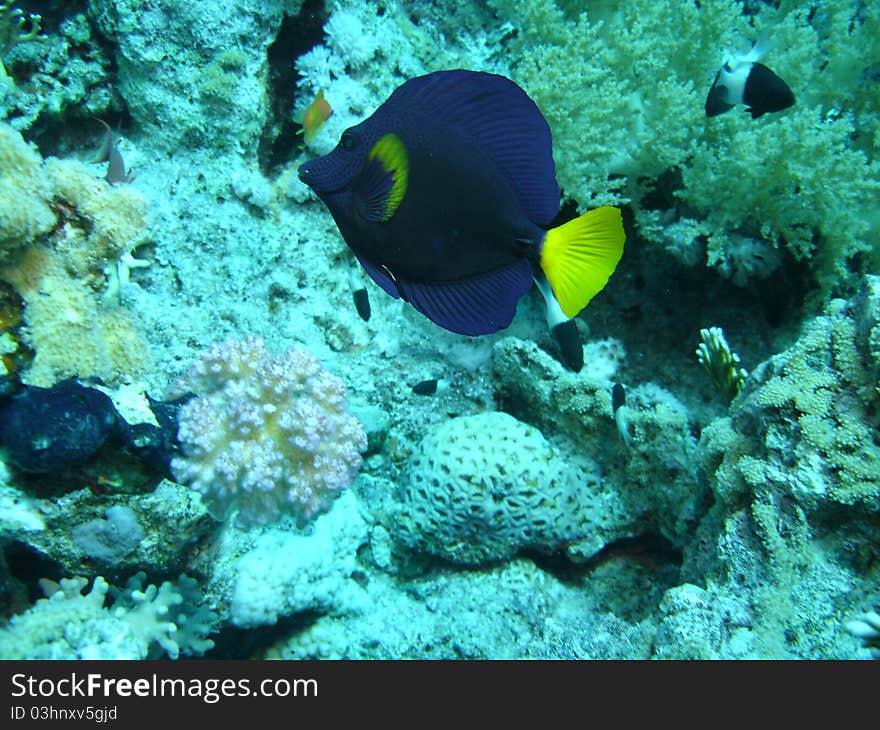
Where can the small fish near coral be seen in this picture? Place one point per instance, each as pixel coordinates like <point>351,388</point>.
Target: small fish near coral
<point>109,152</point>
<point>314,116</point>
<point>433,386</point>
<point>619,410</point>
<point>742,80</point>
<point>445,195</point>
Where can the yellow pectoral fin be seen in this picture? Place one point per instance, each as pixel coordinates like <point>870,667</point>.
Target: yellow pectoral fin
<point>578,257</point>
<point>391,154</point>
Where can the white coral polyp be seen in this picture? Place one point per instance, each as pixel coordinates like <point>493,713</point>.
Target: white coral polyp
<point>266,435</point>
<point>346,37</point>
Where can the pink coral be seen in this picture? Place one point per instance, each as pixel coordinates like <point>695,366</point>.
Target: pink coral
<point>267,435</point>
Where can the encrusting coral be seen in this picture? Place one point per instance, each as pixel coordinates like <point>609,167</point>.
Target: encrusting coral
<point>25,194</point>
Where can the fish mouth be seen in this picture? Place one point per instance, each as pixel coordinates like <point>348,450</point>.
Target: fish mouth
<point>311,174</point>
<point>306,174</point>
<point>329,194</point>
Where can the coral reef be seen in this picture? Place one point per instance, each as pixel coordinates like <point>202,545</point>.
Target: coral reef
<point>803,423</point>
<point>70,624</point>
<point>317,574</point>
<point>507,514</point>
<point>794,470</point>
<point>13,30</point>
<point>204,68</point>
<point>576,409</point>
<point>66,76</point>
<point>266,435</point>
<point>646,68</point>
<point>86,533</point>
<point>357,33</point>
<point>517,594</point>
<point>483,487</point>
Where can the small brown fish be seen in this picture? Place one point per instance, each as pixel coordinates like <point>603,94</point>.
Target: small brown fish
<point>109,152</point>
<point>314,116</point>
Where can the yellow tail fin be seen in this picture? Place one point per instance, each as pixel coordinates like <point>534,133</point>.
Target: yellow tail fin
<point>579,256</point>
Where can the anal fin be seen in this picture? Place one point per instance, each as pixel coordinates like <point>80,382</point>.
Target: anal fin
<point>477,306</point>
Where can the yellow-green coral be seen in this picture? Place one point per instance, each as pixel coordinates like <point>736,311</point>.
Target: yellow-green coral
<point>805,424</point>
<point>12,29</point>
<point>69,330</point>
<point>62,228</point>
<point>107,221</point>
<point>90,223</point>
<point>25,214</point>
<point>623,86</point>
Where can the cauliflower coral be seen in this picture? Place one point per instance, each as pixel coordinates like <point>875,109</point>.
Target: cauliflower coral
<point>267,434</point>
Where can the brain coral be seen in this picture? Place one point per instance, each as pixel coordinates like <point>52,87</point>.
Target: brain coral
<point>482,487</point>
<point>267,435</point>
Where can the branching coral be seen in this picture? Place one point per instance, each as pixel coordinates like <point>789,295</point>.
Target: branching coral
<point>140,622</point>
<point>623,88</point>
<point>804,425</point>
<point>12,29</point>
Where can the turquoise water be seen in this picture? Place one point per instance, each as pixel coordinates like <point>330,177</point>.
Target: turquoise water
<point>191,399</point>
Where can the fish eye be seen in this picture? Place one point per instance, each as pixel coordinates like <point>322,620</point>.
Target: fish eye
<point>349,140</point>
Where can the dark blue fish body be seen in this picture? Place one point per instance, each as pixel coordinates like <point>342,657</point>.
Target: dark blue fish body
<point>421,241</point>
<point>444,195</point>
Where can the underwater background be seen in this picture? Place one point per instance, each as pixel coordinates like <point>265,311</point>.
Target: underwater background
<point>208,451</point>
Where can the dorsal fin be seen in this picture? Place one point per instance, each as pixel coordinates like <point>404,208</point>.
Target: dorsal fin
<point>505,123</point>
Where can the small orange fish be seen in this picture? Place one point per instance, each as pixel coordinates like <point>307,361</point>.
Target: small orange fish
<point>314,116</point>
